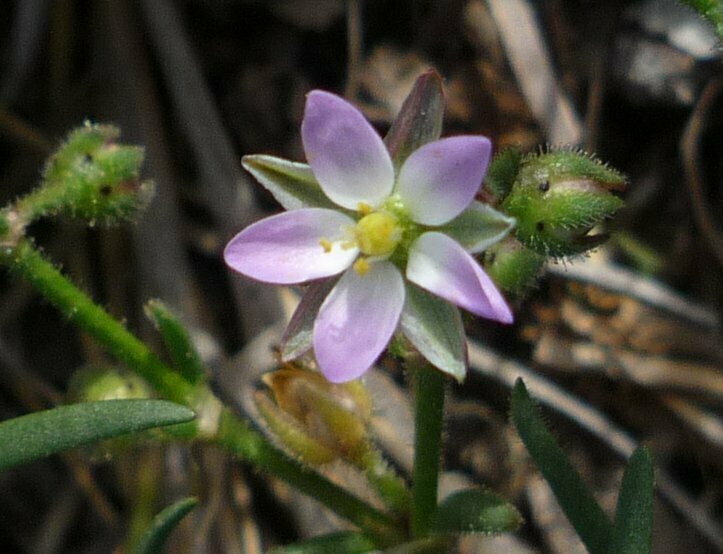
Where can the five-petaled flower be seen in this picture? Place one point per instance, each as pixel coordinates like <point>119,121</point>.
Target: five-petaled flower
<point>385,233</point>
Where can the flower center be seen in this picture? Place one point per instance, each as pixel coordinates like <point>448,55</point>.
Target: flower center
<point>377,234</point>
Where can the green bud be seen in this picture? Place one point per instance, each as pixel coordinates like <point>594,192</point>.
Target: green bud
<point>512,266</point>
<point>558,197</point>
<point>92,177</point>
<point>91,384</point>
<point>317,420</point>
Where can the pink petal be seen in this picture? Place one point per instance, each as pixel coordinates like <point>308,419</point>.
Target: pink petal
<point>440,179</point>
<point>441,266</point>
<point>357,320</point>
<point>286,248</point>
<point>346,154</point>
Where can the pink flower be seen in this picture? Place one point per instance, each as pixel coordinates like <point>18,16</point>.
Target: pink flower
<point>381,232</point>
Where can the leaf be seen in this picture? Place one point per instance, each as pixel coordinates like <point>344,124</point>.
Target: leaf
<point>633,533</point>
<point>163,524</point>
<point>479,227</point>
<point>298,336</point>
<point>292,183</point>
<point>434,327</point>
<point>183,353</point>
<point>40,434</point>
<point>577,502</point>
<point>420,119</point>
<point>476,511</point>
<point>347,542</point>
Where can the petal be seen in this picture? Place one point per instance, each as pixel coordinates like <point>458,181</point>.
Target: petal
<point>286,248</point>
<point>441,266</point>
<point>357,320</point>
<point>441,178</point>
<point>346,154</point>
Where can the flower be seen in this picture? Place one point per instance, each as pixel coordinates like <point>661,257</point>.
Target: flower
<point>384,232</point>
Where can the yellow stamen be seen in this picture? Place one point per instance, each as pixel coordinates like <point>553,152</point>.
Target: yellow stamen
<point>363,208</point>
<point>326,245</point>
<point>377,234</point>
<point>361,266</point>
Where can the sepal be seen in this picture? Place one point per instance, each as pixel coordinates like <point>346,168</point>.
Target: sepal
<point>479,227</point>
<point>292,184</point>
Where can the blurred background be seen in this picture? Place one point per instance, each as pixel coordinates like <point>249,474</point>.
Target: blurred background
<point>621,346</point>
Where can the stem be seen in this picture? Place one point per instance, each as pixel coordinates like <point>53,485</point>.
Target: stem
<point>390,486</point>
<point>238,438</point>
<point>428,414</point>
<point>27,262</point>
<point>215,423</point>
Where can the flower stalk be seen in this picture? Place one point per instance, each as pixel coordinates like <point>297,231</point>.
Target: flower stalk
<point>429,388</point>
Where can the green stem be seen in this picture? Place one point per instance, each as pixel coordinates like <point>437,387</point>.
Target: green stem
<point>390,486</point>
<point>215,423</point>
<point>238,438</point>
<point>428,415</point>
<point>27,262</point>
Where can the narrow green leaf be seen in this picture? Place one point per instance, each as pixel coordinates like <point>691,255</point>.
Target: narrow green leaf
<point>633,532</point>
<point>346,542</point>
<point>40,434</point>
<point>434,327</point>
<point>163,524</point>
<point>479,227</point>
<point>292,183</point>
<point>420,119</point>
<point>184,355</point>
<point>476,511</point>
<point>580,507</point>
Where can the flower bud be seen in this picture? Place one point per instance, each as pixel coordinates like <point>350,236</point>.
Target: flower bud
<point>91,384</point>
<point>318,420</point>
<point>558,197</point>
<point>93,177</point>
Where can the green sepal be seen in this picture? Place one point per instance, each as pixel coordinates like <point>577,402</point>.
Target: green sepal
<point>186,359</point>
<point>633,533</point>
<point>154,539</point>
<point>343,542</point>
<point>434,327</point>
<point>502,172</point>
<point>91,177</point>
<point>577,502</point>
<point>479,227</point>
<point>41,434</point>
<point>476,511</point>
<point>512,266</point>
<point>292,184</point>
<point>420,119</point>
<point>298,336</point>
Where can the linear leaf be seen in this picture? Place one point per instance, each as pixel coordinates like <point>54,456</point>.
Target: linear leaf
<point>633,532</point>
<point>476,511</point>
<point>33,436</point>
<point>575,499</point>
<point>163,524</point>
<point>347,542</point>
